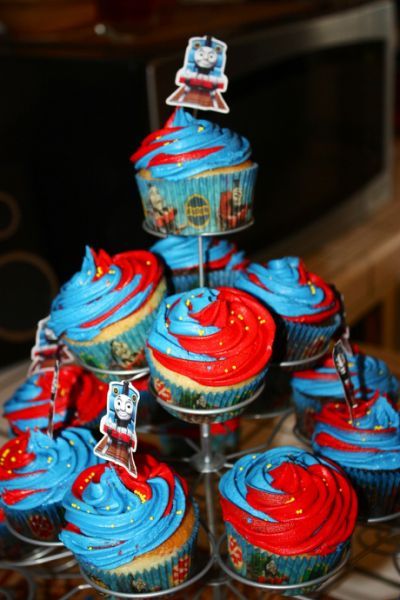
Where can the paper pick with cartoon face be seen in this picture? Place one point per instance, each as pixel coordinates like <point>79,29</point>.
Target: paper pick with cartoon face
<point>202,78</point>
<point>118,426</point>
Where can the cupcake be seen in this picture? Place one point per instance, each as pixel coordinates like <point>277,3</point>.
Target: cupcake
<point>289,516</point>
<point>195,177</point>
<point>368,449</point>
<point>35,472</point>
<point>81,401</point>
<point>131,534</point>
<point>307,309</point>
<point>209,348</point>
<point>104,312</point>
<point>311,389</point>
<point>222,263</point>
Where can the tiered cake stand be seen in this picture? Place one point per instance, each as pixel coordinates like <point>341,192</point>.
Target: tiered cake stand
<point>212,568</point>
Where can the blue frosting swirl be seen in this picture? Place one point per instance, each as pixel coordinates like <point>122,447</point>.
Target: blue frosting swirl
<point>84,299</point>
<point>279,285</point>
<point>186,140</point>
<point>372,442</point>
<point>53,466</point>
<point>117,525</point>
<point>180,252</point>
<point>367,375</point>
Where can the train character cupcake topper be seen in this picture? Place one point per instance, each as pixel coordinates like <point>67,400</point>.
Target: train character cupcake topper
<point>47,349</point>
<point>202,79</point>
<point>118,426</point>
<point>342,367</point>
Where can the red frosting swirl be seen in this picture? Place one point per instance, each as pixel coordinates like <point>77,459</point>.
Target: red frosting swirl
<point>241,348</point>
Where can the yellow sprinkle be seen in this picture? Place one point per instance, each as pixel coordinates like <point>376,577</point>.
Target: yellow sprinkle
<point>179,512</point>
<point>254,456</point>
<point>179,164</point>
<point>112,525</point>
<point>378,427</point>
<point>200,128</point>
<point>299,511</point>
<point>187,302</point>
<point>9,472</point>
<point>201,331</point>
<point>240,468</point>
<point>368,412</point>
<point>292,499</point>
<point>312,288</point>
<point>107,507</point>
<point>262,321</point>
<point>259,318</point>
<point>49,459</point>
<point>151,518</point>
<point>337,405</point>
<point>241,317</point>
<point>68,465</point>
<point>19,451</point>
<point>234,367</point>
<point>232,312</point>
<point>221,343</point>
<point>168,306</point>
<point>81,487</point>
<point>168,350</point>
<point>13,459</point>
<point>128,508</point>
<point>269,465</point>
<point>232,321</point>
<point>132,521</point>
<point>247,328</point>
<point>111,272</point>
<point>72,442</point>
<point>225,370</point>
<point>86,480</point>
<point>180,318</point>
<point>90,548</point>
<point>74,505</point>
<point>158,137</point>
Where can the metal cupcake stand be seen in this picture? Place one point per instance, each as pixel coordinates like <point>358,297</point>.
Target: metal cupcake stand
<point>212,570</point>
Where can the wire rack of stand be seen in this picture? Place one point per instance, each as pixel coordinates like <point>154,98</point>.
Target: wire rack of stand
<point>212,574</point>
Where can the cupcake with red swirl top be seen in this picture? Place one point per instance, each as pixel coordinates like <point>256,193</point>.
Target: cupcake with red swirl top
<point>131,534</point>
<point>289,515</point>
<point>307,309</point>
<point>221,261</point>
<point>313,388</point>
<point>367,448</point>
<point>209,348</point>
<point>195,177</point>
<point>35,472</point>
<point>81,400</point>
<point>104,312</point>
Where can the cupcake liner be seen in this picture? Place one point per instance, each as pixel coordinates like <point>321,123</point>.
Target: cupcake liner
<point>306,341</point>
<point>100,354</point>
<point>183,283</point>
<point>42,523</point>
<point>222,278</point>
<point>167,574</point>
<point>172,442</point>
<point>262,566</point>
<point>306,408</point>
<point>187,398</point>
<point>193,205</point>
<point>378,492</point>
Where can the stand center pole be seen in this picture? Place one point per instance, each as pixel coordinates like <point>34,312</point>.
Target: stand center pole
<point>201,264</point>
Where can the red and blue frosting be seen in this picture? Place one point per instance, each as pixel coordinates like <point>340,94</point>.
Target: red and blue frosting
<point>187,146</point>
<point>290,290</point>
<point>289,502</point>
<point>112,517</point>
<point>371,441</point>
<point>105,290</point>
<point>217,337</point>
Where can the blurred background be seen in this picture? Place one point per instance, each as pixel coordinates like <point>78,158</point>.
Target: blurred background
<point>312,85</point>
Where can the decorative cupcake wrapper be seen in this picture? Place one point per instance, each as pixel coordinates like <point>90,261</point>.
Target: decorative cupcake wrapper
<point>197,205</point>
<point>184,397</point>
<point>42,523</point>
<point>306,341</point>
<point>306,408</point>
<point>167,574</point>
<point>124,352</point>
<point>262,566</point>
<point>213,279</point>
<point>11,548</point>
<point>378,492</point>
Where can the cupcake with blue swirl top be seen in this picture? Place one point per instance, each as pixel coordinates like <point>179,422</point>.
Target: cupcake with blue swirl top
<point>221,261</point>
<point>104,312</point>
<point>288,515</point>
<point>313,388</point>
<point>307,309</point>
<point>195,177</point>
<point>210,348</point>
<point>367,447</point>
<point>35,472</point>
<point>131,534</point>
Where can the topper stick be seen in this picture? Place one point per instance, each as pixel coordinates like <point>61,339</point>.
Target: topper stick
<point>53,395</point>
<point>342,368</point>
